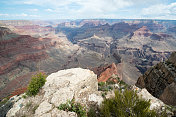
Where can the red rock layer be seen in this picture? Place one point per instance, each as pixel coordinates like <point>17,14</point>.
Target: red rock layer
<point>20,49</point>
<point>105,72</point>
<point>18,91</point>
<point>104,76</point>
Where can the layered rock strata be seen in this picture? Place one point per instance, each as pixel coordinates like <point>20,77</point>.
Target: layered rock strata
<point>160,80</point>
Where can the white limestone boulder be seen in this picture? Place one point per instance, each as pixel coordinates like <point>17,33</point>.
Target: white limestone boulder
<point>155,102</point>
<point>80,84</point>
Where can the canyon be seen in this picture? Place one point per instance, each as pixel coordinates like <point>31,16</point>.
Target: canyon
<point>126,48</point>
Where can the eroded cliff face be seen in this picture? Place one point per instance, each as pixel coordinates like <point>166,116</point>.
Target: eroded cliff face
<point>160,80</point>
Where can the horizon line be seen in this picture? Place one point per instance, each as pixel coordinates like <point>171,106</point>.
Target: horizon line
<point>86,19</point>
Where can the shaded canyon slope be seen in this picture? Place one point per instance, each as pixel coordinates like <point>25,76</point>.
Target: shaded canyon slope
<point>160,80</point>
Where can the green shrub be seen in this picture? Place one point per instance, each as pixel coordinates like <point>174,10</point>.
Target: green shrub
<point>73,107</point>
<point>36,83</point>
<point>127,104</point>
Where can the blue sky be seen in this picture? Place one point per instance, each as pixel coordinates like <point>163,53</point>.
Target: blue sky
<point>87,9</point>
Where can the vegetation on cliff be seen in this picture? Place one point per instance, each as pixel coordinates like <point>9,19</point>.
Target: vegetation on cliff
<point>73,107</point>
<point>36,83</point>
<point>126,104</point>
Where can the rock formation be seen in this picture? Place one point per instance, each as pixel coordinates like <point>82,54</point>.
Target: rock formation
<point>155,102</point>
<point>76,83</point>
<point>160,80</point>
<point>64,85</point>
<point>105,72</point>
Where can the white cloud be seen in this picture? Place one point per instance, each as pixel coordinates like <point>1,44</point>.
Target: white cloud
<point>160,11</point>
<point>21,15</point>
<point>34,15</point>
<point>49,10</point>
<point>145,2</point>
<point>53,3</point>
<point>103,5</point>
<point>25,15</point>
<point>83,8</point>
<point>97,5</point>
<point>4,14</point>
<point>33,10</point>
<point>77,9</point>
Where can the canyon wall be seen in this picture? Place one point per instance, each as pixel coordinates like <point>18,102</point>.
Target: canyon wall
<point>160,80</point>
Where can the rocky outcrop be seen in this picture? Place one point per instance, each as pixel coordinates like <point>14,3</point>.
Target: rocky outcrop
<point>110,70</point>
<point>76,83</point>
<point>155,103</point>
<point>105,72</point>
<point>160,80</point>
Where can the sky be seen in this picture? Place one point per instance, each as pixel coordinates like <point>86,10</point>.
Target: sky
<point>87,9</point>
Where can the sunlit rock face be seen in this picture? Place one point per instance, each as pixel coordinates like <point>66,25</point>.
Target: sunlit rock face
<point>76,83</point>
